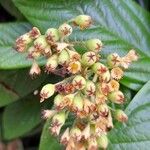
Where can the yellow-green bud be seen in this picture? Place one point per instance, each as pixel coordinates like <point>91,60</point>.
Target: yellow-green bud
<point>58,101</point>
<point>99,68</point>
<point>116,97</point>
<point>105,77</point>
<point>113,60</point>
<point>47,91</point>
<point>58,121</point>
<point>52,35</point>
<point>103,110</point>
<point>89,88</point>
<point>88,58</point>
<point>65,30</point>
<point>75,133</point>
<point>94,45</point>
<point>77,103</point>
<point>83,21</point>
<point>24,39</point>
<point>102,141</point>
<point>63,57</point>
<point>40,43</point>
<point>34,33</point>
<point>120,116</point>
<point>52,63</point>
<point>79,82</point>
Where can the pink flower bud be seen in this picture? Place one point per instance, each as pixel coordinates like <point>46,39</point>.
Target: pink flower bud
<point>120,116</point>
<point>47,114</point>
<point>65,30</point>
<point>116,97</point>
<point>34,33</point>
<point>75,133</point>
<point>117,73</point>
<point>65,137</point>
<point>35,69</point>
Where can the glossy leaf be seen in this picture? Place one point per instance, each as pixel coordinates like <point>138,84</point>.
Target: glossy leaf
<point>16,84</point>
<point>21,117</point>
<point>135,134</point>
<point>120,24</point>
<point>48,142</point>
<point>10,59</point>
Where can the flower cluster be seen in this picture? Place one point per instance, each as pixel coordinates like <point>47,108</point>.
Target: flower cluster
<point>89,86</point>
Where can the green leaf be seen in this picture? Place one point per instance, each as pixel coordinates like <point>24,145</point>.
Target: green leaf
<point>135,134</point>
<point>10,7</point>
<point>16,84</point>
<point>120,24</point>
<point>10,59</point>
<point>21,117</point>
<point>7,96</point>
<point>48,142</point>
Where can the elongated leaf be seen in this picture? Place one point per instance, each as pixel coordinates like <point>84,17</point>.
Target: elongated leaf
<point>120,24</point>
<point>16,84</point>
<point>21,117</point>
<point>10,7</point>
<point>48,142</point>
<point>10,59</point>
<point>135,134</point>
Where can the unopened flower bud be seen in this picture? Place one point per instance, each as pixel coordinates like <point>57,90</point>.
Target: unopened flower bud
<point>99,68</point>
<point>74,67</point>
<point>89,88</point>
<point>113,60</point>
<point>132,55</point>
<point>102,141</point>
<point>92,144</point>
<point>77,103</point>
<point>47,114</point>
<point>33,53</point>
<point>88,58</point>
<point>86,132</point>
<point>52,63</point>
<point>24,39</point>
<point>58,102</point>
<point>65,137</point>
<point>63,57</point>
<point>65,30</point>
<point>68,99</point>
<point>120,116</point>
<point>88,106</point>
<point>116,97</point>
<point>94,45</point>
<point>83,21</point>
<point>40,43</point>
<point>58,121</point>
<point>47,91</point>
<point>100,98</point>
<point>60,46</point>
<point>113,85</point>
<point>75,133</point>
<point>79,82</point>
<point>20,48</point>
<point>74,56</point>
<point>35,69</point>
<point>52,35</point>
<point>47,51</point>
<point>117,73</point>
<point>103,110</point>
<point>34,33</point>
<point>105,77</point>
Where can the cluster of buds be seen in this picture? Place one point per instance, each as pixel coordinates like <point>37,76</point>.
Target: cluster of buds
<point>88,89</point>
